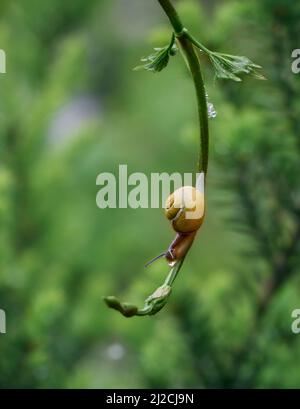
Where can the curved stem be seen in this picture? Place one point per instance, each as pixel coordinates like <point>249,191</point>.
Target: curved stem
<point>173,273</point>
<point>195,68</point>
<point>172,14</point>
<point>156,301</point>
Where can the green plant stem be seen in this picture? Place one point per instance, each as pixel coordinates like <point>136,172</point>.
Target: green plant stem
<point>197,43</point>
<point>172,15</point>
<point>195,69</point>
<point>193,63</point>
<point>173,273</point>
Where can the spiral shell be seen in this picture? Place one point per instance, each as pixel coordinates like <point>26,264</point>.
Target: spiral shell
<point>185,209</point>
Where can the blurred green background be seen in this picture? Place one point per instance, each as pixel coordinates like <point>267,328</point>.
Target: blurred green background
<point>70,108</point>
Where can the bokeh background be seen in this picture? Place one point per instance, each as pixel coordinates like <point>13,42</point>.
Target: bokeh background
<point>71,107</point>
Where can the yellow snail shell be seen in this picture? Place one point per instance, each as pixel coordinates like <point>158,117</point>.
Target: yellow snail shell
<point>185,209</point>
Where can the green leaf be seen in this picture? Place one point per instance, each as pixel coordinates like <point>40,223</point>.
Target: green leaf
<point>159,59</point>
<point>232,66</point>
<point>229,66</point>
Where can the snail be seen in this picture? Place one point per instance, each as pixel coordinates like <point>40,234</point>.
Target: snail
<point>185,210</point>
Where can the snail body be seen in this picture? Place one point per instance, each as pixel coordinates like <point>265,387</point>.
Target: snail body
<point>179,247</point>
